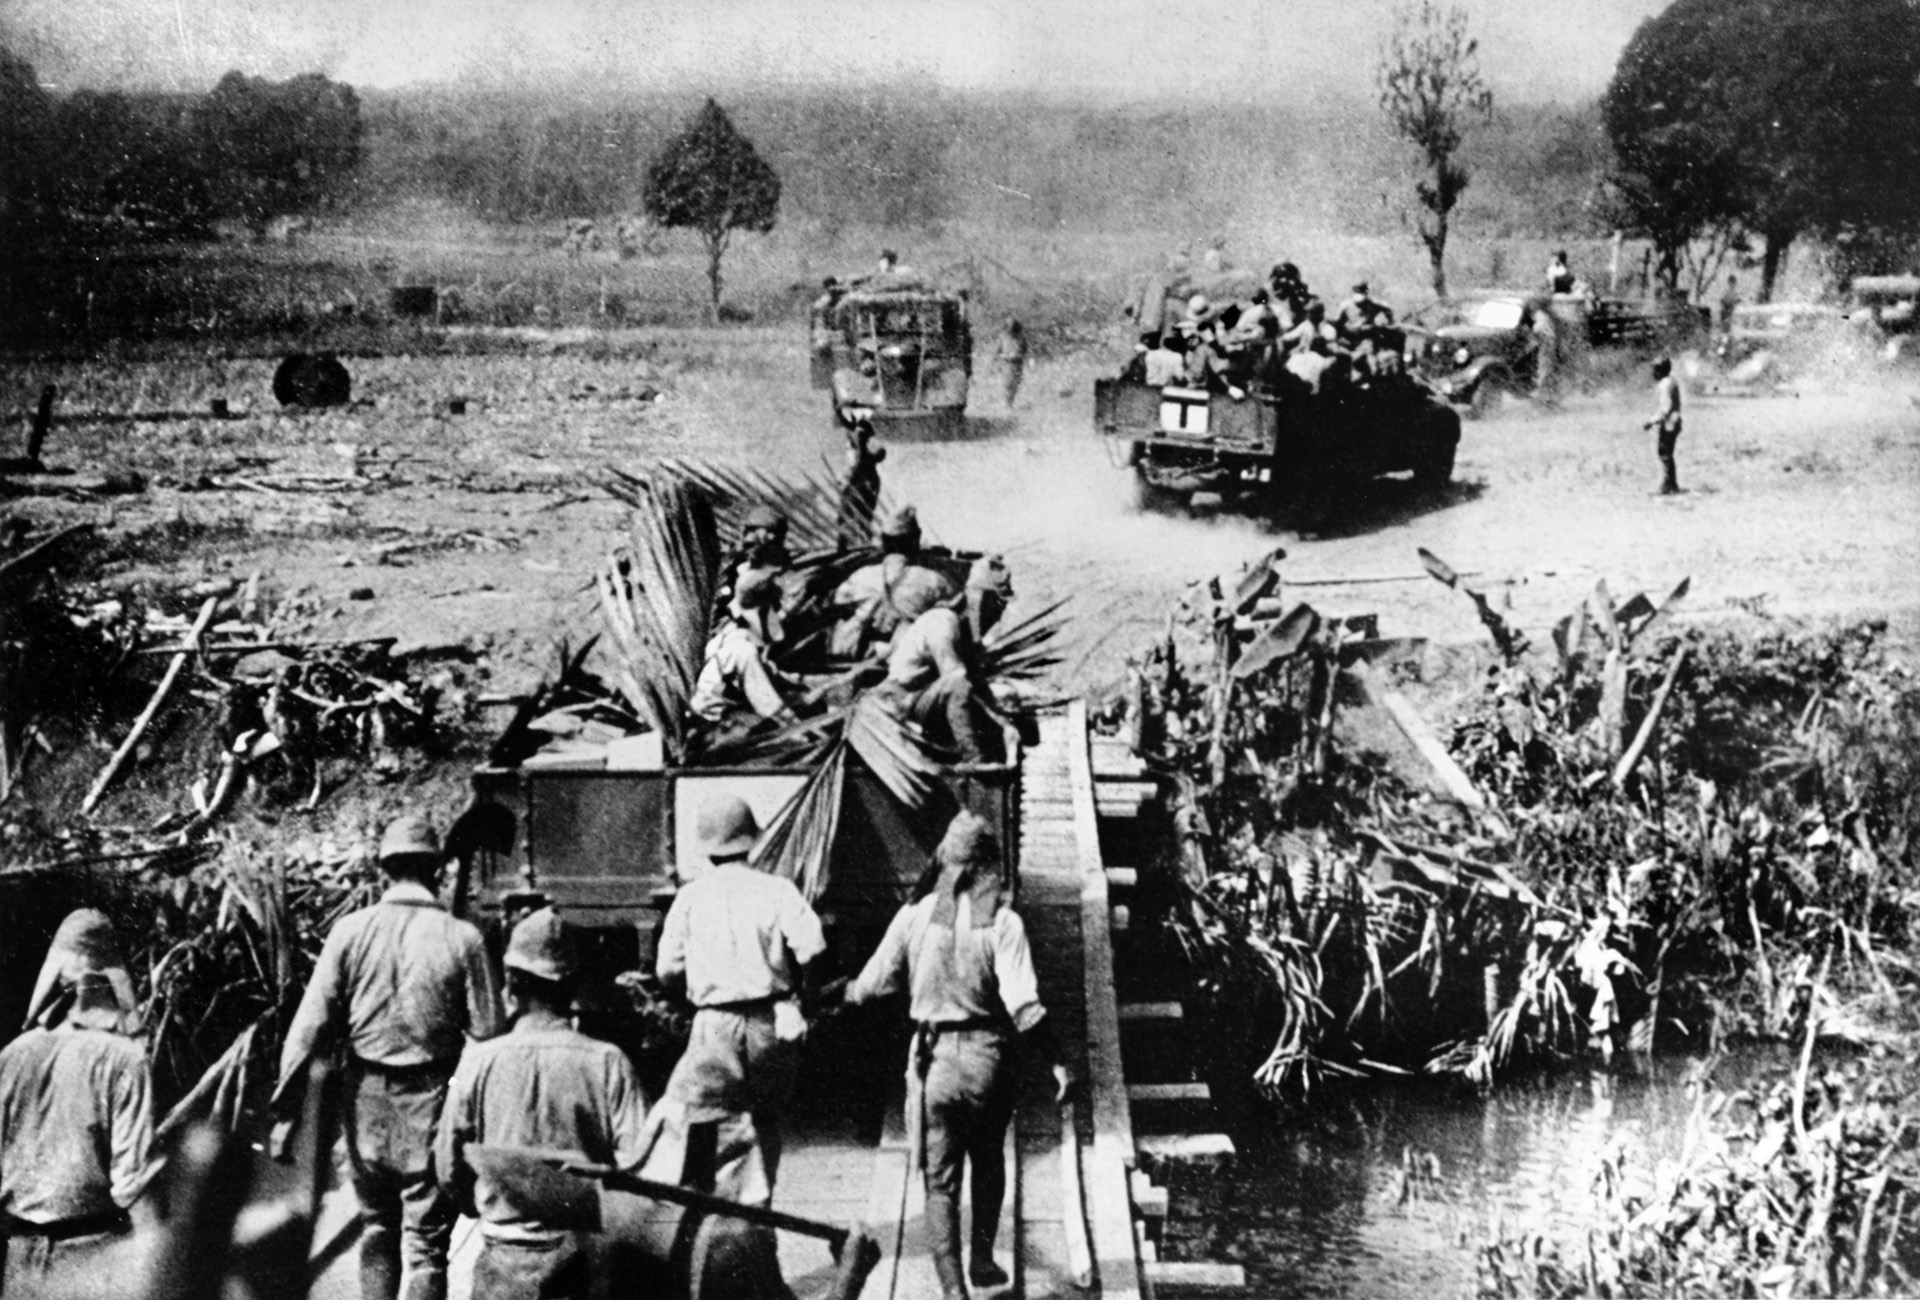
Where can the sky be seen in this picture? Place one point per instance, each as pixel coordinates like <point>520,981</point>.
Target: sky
<point>1116,50</point>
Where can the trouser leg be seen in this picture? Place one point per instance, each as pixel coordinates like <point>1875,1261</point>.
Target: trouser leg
<point>379,1246</point>
<point>943,1243</point>
<point>406,1220</point>
<point>986,1154</point>
<point>1669,480</point>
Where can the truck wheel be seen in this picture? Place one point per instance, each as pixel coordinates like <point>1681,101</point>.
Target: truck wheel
<point>1436,464</point>
<point>1150,498</point>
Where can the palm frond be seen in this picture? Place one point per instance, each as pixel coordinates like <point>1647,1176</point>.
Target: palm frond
<point>1023,649</point>
<point>799,843</point>
<point>655,599</point>
<point>893,750</point>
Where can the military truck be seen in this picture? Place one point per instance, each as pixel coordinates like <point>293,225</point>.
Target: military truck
<point>594,814</point>
<point>897,351</point>
<point>1278,446</point>
<point>1483,346</point>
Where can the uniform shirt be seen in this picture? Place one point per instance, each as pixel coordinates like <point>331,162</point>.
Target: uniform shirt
<point>1358,315</point>
<point>1666,404</point>
<point>736,934</point>
<point>736,676</point>
<point>988,975</point>
<point>544,1085</point>
<point>927,649</point>
<point>404,980</point>
<point>881,594</point>
<point>76,1121</point>
<point>1165,366</point>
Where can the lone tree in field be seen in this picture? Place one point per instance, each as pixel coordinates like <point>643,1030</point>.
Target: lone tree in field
<point>710,178</point>
<point>1430,91</point>
<point>1790,117</point>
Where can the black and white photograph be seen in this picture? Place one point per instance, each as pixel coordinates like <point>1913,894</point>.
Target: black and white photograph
<point>959,649</point>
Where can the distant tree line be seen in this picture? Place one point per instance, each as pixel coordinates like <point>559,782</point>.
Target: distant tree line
<point>1768,122</point>
<point>249,150</point>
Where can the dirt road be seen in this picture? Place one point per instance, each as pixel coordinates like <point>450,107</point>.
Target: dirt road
<point>485,525</point>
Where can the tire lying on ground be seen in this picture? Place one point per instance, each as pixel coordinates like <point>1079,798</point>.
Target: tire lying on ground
<point>306,380</point>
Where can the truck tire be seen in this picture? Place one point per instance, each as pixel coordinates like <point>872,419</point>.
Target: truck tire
<point>1435,469</point>
<point>1150,498</point>
<point>1487,396</point>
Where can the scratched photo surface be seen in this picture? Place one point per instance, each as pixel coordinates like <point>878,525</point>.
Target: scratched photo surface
<point>387,394</point>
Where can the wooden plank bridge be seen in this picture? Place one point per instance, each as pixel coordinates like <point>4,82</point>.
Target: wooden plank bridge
<point>1082,1214</point>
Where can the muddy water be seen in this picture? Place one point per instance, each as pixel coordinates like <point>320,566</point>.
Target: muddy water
<point>1323,1206</point>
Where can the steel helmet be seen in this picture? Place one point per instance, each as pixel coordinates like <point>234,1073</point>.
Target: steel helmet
<point>542,947</point>
<point>1198,306</point>
<point>902,524</point>
<point>727,827</point>
<point>764,516</point>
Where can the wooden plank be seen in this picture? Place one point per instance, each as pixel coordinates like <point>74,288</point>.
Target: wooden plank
<point>1109,1208</point>
<point>1168,1092</point>
<point>1185,1148</point>
<point>1211,1277</point>
<point>1149,1202</point>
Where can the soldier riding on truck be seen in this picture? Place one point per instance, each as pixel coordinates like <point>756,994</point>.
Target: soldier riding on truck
<point>1291,410</point>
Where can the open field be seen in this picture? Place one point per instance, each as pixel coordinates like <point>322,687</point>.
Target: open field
<point>1795,504</point>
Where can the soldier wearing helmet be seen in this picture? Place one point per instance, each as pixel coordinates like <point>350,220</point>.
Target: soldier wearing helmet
<point>738,940</point>
<point>960,953</point>
<point>877,596</point>
<point>933,668</point>
<point>542,1085</point>
<point>76,1112</point>
<point>738,681</point>
<point>401,986</point>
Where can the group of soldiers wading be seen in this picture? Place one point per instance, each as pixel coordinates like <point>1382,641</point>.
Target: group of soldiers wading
<point>444,1056</point>
<point>1280,339</point>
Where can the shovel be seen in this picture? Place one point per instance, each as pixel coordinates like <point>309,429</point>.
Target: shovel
<point>544,1180</point>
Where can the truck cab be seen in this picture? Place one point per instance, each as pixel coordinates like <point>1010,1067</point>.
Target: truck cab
<point>895,351</point>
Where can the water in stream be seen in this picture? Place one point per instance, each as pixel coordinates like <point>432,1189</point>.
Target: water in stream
<point>1321,1205</point>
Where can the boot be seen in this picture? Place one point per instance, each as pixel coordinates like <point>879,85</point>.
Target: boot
<point>943,1242</point>
<point>987,1191</point>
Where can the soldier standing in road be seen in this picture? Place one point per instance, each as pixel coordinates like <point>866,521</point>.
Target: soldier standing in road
<point>1728,301</point>
<point>1666,422</point>
<point>738,940</point>
<point>1010,354</point>
<point>76,1113</point>
<point>543,1085</point>
<point>401,985</point>
<point>961,955</point>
